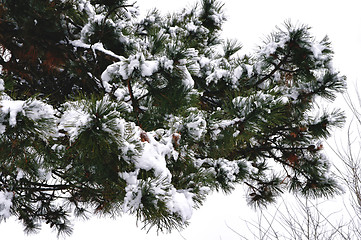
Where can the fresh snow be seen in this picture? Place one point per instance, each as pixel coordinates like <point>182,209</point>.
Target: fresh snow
<point>148,68</point>
<point>73,119</point>
<point>230,168</point>
<point>97,46</point>
<point>20,174</point>
<point>152,153</point>
<point>196,126</point>
<point>33,109</point>
<point>216,76</point>
<point>5,204</point>
<point>2,88</point>
<point>125,68</point>
<point>317,49</point>
<point>188,81</point>
<point>249,69</point>
<point>271,47</point>
<point>12,108</point>
<point>153,157</point>
<point>181,203</point>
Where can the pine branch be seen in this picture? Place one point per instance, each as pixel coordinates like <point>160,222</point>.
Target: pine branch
<point>112,163</point>
<point>276,68</point>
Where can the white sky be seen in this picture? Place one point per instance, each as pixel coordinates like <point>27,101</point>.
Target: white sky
<point>249,22</point>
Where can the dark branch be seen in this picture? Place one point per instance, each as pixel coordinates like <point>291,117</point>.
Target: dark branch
<point>277,67</point>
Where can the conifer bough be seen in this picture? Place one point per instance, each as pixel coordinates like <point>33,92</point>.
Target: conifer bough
<point>106,112</point>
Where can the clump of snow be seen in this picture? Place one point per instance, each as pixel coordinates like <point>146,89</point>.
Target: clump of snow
<point>73,119</point>
<point>229,168</point>
<point>100,47</point>
<point>246,105</point>
<point>238,72</point>
<point>205,190</point>
<point>84,5</point>
<point>12,108</point>
<point>317,49</point>
<point>153,157</point>
<point>181,203</point>
<point>131,64</point>
<point>148,68</point>
<point>126,67</point>
<point>79,44</point>
<point>251,169</point>
<point>133,196</point>
<point>108,74</point>
<point>216,75</point>
<point>95,47</point>
<point>33,109</point>
<point>249,69</point>
<point>203,61</point>
<point>156,147</point>
<point>187,80</point>
<point>218,126</point>
<point>5,204</point>
<point>20,174</point>
<point>2,128</point>
<point>155,153</point>
<point>130,177</point>
<point>2,84</point>
<point>36,110</point>
<point>272,46</point>
<point>217,17</point>
<point>120,93</point>
<point>221,167</point>
<point>196,125</point>
<point>191,27</point>
<point>166,63</point>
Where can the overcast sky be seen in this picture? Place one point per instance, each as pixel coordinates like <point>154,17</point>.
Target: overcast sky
<point>249,22</point>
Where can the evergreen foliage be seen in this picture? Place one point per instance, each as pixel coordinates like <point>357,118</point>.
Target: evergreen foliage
<point>105,112</point>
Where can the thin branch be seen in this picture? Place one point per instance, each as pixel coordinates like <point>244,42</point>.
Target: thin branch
<point>277,67</point>
<point>234,231</point>
<point>135,105</point>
